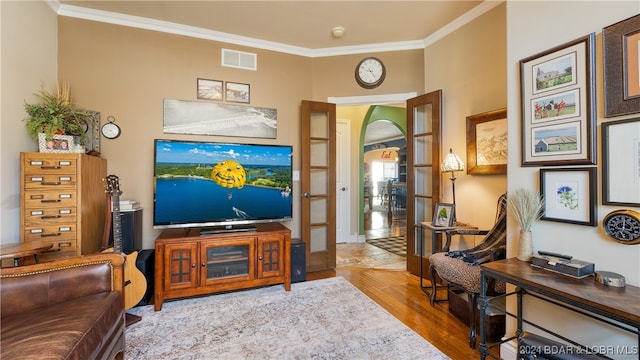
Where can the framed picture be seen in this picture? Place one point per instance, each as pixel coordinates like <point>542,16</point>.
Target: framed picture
<point>558,105</point>
<point>569,195</point>
<point>620,49</point>
<point>59,144</point>
<point>621,179</point>
<point>236,92</point>
<point>487,143</point>
<point>443,215</point>
<point>210,89</point>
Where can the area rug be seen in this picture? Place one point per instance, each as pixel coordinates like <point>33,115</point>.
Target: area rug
<point>321,319</point>
<point>394,244</point>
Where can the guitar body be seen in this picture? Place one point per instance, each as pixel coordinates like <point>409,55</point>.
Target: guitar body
<point>134,280</point>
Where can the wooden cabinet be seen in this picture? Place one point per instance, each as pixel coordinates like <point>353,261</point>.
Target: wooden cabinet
<point>62,201</point>
<point>188,263</point>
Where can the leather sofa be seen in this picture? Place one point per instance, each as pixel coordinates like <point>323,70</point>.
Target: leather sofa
<point>66,309</point>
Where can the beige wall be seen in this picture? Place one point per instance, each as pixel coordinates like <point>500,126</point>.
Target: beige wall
<point>469,66</point>
<point>528,36</point>
<point>27,60</point>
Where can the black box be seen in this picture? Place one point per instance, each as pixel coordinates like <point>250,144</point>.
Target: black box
<point>146,264</point>
<point>574,268</point>
<point>298,261</point>
<point>131,226</point>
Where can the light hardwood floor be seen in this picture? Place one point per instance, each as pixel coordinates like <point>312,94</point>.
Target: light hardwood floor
<point>398,291</point>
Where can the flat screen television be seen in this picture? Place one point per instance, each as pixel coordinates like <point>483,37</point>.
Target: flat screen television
<point>219,186</point>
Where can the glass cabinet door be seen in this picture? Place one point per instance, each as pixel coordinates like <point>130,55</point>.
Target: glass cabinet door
<point>227,261</point>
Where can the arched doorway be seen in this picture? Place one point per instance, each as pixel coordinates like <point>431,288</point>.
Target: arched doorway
<point>383,120</point>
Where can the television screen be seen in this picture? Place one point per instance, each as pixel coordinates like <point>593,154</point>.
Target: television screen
<point>202,184</point>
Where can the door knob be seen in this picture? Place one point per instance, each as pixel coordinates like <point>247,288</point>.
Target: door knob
<point>343,188</point>
<point>307,195</point>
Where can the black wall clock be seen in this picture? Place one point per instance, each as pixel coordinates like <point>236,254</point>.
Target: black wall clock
<point>110,130</point>
<point>623,226</point>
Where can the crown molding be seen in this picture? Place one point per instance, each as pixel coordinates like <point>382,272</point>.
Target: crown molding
<point>195,32</point>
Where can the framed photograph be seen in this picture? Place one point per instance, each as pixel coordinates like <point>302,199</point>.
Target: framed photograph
<point>558,105</point>
<point>621,179</point>
<point>487,143</point>
<point>210,89</point>
<point>236,92</point>
<point>59,144</point>
<point>569,195</point>
<point>621,52</point>
<point>443,215</point>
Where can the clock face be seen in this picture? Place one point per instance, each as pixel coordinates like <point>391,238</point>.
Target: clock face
<point>110,130</point>
<point>623,226</point>
<point>370,73</point>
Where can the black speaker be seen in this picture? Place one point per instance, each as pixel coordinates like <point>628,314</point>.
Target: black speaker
<point>145,263</point>
<point>298,261</point>
<point>131,225</point>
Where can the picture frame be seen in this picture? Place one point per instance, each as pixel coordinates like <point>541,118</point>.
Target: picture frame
<point>621,180</point>
<point>443,215</point>
<point>237,92</point>
<point>92,133</point>
<point>208,89</point>
<point>569,195</point>
<point>558,105</point>
<point>621,63</point>
<point>58,144</point>
<point>487,143</point>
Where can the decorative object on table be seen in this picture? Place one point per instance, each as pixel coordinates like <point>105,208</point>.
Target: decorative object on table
<point>370,73</point>
<point>621,140</point>
<point>569,195</point>
<point>526,206</point>
<point>56,114</point>
<point>561,265</point>
<point>623,226</point>
<point>212,118</point>
<point>487,143</point>
<point>558,105</point>
<point>621,66</point>
<point>210,89</point>
<point>111,130</point>
<point>608,278</point>
<point>236,92</point>
<point>452,163</point>
<point>444,214</point>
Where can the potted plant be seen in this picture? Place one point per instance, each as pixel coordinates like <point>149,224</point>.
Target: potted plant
<point>526,206</point>
<point>55,114</point>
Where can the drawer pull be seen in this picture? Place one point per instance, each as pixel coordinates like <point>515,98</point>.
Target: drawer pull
<point>51,217</point>
<point>50,183</point>
<point>50,235</point>
<point>49,167</point>
<point>50,201</point>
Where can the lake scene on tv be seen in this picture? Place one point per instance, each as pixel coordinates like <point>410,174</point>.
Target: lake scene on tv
<point>205,182</point>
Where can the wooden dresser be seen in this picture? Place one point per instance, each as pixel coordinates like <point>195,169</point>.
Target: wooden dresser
<point>63,201</point>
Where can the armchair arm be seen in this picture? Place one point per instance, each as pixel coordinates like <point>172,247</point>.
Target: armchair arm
<point>27,287</point>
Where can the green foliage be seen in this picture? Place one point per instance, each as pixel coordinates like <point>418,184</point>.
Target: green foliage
<point>55,114</point>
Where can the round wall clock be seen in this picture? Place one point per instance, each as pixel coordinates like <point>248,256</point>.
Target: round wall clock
<point>623,226</point>
<point>370,73</point>
<point>110,130</point>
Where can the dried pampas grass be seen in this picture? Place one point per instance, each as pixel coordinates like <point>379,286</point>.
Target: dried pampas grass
<point>526,206</point>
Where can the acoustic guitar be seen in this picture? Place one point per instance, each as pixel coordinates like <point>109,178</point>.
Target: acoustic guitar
<point>135,282</point>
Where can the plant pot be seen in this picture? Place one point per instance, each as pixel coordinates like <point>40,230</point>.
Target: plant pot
<point>525,246</point>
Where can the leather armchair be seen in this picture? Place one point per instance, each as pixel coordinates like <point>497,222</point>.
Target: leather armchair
<point>66,309</point>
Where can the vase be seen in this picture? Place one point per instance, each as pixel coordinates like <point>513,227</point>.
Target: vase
<point>525,246</point>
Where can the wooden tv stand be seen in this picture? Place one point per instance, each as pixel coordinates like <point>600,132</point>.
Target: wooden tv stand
<point>188,263</point>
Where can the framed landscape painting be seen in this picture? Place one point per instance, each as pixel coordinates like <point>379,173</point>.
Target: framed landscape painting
<point>487,143</point>
<point>558,105</point>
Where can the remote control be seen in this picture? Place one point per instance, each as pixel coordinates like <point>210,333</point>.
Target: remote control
<point>562,256</point>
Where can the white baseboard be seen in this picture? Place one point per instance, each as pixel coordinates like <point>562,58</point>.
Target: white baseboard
<point>509,350</point>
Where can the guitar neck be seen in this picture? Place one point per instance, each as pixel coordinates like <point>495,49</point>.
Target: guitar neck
<point>117,226</point>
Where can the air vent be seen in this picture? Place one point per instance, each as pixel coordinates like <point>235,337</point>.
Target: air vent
<point>239,59</point>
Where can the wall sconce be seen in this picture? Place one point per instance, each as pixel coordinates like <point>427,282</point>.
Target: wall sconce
<point>452,163</point>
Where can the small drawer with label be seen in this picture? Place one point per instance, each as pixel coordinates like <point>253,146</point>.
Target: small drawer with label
<point>54,233</point>
<point>42,163</point>
<point>39,199</point>
<point>53,181</point>
<point>47,215</point>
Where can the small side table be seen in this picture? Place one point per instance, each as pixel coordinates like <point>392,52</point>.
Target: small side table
<point>23,249</point>
<point>435,232</point>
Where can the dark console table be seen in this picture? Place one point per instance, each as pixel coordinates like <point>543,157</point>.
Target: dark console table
<point>615,306</point>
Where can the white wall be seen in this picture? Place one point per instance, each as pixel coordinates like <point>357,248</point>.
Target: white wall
<point>27,61</point>
<point>533,27</point>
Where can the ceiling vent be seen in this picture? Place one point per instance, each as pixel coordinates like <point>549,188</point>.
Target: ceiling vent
<point>239,59</point>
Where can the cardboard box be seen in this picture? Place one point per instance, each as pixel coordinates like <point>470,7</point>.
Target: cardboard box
<point>572,267</point>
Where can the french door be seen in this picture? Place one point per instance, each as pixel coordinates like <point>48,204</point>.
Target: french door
<point>424,120</point>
